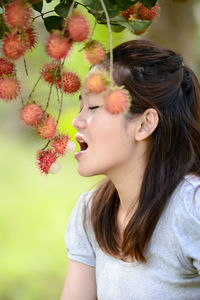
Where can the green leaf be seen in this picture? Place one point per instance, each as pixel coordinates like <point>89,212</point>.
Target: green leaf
<point>62,9</point>
<point>86,2</point>
<point>3,28</point>
<point>48,1</point>
<point>3,2</point>
<point>133,26</point>
<point>53,22</point>
<point>138,25</point>
<point>1,10</point>
<point>117,28</point>
<point>114,7</point>
<point>148,3</point>
<point>38,6</point>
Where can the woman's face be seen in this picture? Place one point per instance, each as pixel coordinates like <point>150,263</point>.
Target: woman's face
<point>110,144</point>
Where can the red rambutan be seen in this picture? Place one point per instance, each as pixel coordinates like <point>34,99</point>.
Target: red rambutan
<point>148,14</point>
<point>51,72</point>
<point>47,129</point>
<point>57,46</point>
<point>95,52</point>
<point>45,159</point>
<point>131,13</point>
<point>14,46</point>
<point>71,82</point>
<point>17,14</point>
<point>6,67</point>
<point>30,36</point>
<point>32,114</point>
<point>9,88</point>
<point>96,83</point>
<point>60,143</point>
<point>78,28</point>
<point>117,100</point>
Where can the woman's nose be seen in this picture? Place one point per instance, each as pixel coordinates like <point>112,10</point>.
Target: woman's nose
<point>78,122</point>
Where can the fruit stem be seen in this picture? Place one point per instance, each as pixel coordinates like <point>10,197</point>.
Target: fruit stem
<point>49,96</point>
<point>95,23</point>
<point>31,93</point>
<point>110,40</point>
<point>57,94</point>
<point>23,103</point>
<point>69,13</point>
<point>93,29</point>
<point>46,145</point>
<point>61,101</point>
<point>25,66</point>
<point>42,14</point>
<point>71,8</point>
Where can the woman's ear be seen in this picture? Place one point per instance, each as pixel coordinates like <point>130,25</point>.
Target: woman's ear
<point>147,123</point>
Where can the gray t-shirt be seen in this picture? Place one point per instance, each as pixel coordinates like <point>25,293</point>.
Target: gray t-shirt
<point>172,271</point>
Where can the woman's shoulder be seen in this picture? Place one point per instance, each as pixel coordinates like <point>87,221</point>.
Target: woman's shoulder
<point>186,200</point>
<point>84,200</point>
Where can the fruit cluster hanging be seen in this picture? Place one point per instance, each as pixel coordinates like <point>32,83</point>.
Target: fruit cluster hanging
<point>20,36</point>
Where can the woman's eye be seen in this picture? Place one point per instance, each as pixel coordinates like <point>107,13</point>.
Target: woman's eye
<point>91,107</point>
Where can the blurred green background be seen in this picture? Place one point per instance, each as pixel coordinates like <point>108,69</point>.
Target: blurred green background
<point>34,208</point>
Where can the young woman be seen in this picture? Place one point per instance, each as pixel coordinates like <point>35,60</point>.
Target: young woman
<point>136,236</point>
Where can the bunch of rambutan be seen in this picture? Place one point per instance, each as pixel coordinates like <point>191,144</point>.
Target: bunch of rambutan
<point>47,159</point>
<point>75,29</point>
<point>10,87</point>
<point>69,81</point>
<point>116,99</point>
<point>44,124</point>
<point>20,38</point>
<point>141,12</point>
<point>22,35</point>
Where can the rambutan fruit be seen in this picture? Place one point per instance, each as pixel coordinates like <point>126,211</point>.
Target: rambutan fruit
<point>57,45</point>
<point>59,144</point>
<point>77,27</point>
<point>30,36</point>
<point>95,52</point>
<point>71,147</point>
<point>131,13</point>
<point>6,67</point>
<point>96,83</point>
<point>32,114</point>
<point>148,14</point>
<point>9,88</point>
<point>47,129</point>
<point>55,168</point>
<point>14,46</point>
<point>17,14</point>
<point>71,82</point>
<point>45,159</point>
<point>117,100</point>
<point>51,72</point>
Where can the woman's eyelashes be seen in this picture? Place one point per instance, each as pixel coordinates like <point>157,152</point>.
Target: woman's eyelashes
<point>91,107</point>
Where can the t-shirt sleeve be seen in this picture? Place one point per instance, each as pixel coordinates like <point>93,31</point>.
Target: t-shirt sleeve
<point>187,224</point>
<point>78,244</point>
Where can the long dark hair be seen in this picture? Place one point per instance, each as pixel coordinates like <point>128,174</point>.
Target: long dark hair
<point>156,78</point>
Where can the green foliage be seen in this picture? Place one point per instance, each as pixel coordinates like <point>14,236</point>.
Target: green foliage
<point>148,3</point>
<point>114,8</point>
<point>38,6</point>
<point>62,9</point>
<point>53,22</point>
